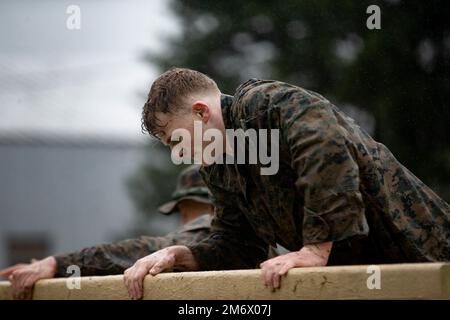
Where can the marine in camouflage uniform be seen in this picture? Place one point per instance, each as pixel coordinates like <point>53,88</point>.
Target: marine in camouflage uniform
<point>115,257</point>
<point>335,183</point>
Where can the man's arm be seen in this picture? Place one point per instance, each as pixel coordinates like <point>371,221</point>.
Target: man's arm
<point>104,259</point>
<point>23,276</point>
<point>175,257</point>
<point>232,244</point>
<point>111,258</point>
<point>320,152</point>
<point>311,255</point>
<point>114,257</point>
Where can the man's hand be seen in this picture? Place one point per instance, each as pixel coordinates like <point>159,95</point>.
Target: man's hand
<point>315,255</point>
<point>167,259</point>
<point>23,276</point>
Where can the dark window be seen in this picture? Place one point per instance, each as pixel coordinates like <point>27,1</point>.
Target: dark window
<point>21,248</point>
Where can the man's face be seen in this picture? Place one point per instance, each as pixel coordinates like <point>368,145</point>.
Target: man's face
<point>191,209</point>
<point>180,121</point>
<point>198,117</point>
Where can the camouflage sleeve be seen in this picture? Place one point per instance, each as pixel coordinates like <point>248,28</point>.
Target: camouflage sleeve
<point>232,243</point>
<point>327,173</point>
<point>115,257</point>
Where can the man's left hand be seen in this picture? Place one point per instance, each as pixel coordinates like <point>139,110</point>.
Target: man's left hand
<point>314,255</point>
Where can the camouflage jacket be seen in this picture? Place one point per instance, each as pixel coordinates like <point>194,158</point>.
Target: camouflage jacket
<point>335,183</point>
<point>115,257</point>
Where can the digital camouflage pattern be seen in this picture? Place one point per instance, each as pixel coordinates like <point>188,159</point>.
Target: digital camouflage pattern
<point>335,183</point>
<point>115,257</point>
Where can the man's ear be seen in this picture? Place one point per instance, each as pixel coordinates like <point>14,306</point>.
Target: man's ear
<point>201,109</point>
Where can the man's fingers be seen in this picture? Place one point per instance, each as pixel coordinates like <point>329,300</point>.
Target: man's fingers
<point>264,275</point>
<point>137,285</point>
<point>162,265</point>
<point>268,281</point>
<point>20,285</point>
<point>8,271</point>
<point>276,280</point>
<point>134,293</point>
<point>131,277</point>
<point>137,282</point>
<point>272,272</point>
<point>127,281</point>
<point>157,268</point>
<point>132,286</point>
<point>14,279</point>
<point>22,280</point>
<point>137,279</point>
<point>127,286</point>
<point>24,293</point>
<point>267,262</point>
<point>27,289</point>
<point>285,268</point>
<point>152,264</point>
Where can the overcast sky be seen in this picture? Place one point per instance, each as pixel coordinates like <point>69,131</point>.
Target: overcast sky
<point>87,82</point>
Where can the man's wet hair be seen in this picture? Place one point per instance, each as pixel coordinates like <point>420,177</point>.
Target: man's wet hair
<point>168,94</point>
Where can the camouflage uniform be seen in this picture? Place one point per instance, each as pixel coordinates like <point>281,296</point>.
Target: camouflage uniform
<point>335,183</point>
<point>115,257</point>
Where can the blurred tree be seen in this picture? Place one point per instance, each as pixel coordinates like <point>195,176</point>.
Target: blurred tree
<point>399,74</point>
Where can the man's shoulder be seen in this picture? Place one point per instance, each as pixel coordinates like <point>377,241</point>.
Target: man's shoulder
<point>256,96</point>
<point>256,86</point>
<point>252,84</point>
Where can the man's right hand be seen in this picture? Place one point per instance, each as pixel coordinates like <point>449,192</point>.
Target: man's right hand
<point>23,276</point>
<point>179,257</point>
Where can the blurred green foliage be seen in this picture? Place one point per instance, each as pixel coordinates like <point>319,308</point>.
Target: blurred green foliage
<point>400,74</point>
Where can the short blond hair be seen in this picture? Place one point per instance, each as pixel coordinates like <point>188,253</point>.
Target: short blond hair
<point>169,92</point>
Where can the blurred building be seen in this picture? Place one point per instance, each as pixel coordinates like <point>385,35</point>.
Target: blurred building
<point>60,194</point>
<point>70,102</point>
